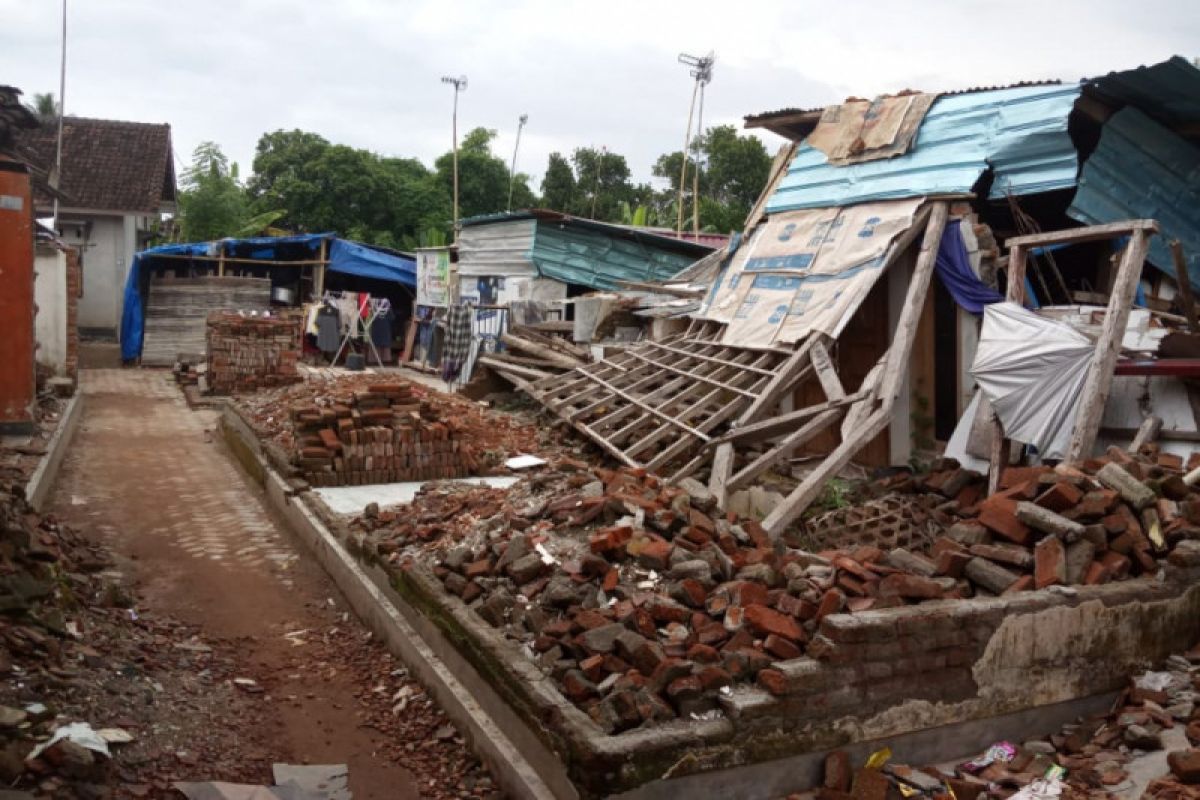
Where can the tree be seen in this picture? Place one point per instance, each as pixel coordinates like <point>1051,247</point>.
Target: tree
<point>349,191</point>
<point>733,173</point>
<point>558,184</point>
<point>602,179</point>
<point>46,107</point>
<point>482,177</point>
<point>211,203</point>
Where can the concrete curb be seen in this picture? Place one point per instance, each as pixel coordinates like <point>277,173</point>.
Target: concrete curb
<point>41,483</point>
<point>380,612</point>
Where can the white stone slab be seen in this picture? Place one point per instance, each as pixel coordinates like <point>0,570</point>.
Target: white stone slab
<point>350,500</point>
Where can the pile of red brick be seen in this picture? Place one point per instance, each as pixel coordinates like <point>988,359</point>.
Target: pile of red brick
<point>385,433</point>
<point>246,354</point>
<point>1089,757</point>
<point>644,602</point>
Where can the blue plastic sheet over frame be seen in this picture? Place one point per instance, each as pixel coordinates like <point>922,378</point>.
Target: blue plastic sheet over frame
<point>345,256</point>
<point>953,266</point>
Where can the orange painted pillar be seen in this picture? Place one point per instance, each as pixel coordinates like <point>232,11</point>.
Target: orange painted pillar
<point>17,381</point>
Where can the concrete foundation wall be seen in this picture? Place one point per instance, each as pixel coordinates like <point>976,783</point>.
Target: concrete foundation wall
<point>922,677</point>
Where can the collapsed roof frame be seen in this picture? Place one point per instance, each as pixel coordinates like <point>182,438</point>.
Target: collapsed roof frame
<point>656,405</point>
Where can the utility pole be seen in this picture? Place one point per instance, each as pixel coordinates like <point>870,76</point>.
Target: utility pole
<point>701,70</point>
<point>512,173</point>
<point>596,184</point>
<point>459,84</point>
<point>62,99</point>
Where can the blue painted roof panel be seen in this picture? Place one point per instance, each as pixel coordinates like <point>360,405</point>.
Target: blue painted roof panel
<point>1169,91</point>
<point>1141,170</point>
<point>1020,131</point>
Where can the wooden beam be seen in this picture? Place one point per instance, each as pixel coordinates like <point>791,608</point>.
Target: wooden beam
<point>1000,447</point>
<point>1098,383</point>
<point>784,449</point>
<point>650,409</point>
<point>319,278</point>
<point>777,426</point>
<point>1147,433</point>
<point>516,369</point>
<point>826,374</point>
<point>895,361</point>
<point>1089,233</point>
<point>541,351</point>
<point>1187,302</point>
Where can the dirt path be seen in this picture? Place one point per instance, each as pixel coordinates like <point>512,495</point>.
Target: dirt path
<point>148,475</point>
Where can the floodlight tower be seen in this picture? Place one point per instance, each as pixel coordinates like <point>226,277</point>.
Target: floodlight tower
<point>460,85</point>
<point>512,173</point>
<point>701,69</point>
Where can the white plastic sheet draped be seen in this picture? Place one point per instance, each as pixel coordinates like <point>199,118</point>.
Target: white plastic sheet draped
<point>1032,370</point>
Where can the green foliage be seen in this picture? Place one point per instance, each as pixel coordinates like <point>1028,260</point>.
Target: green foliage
<point>482,177</point>
<point>211,203</point>
<point>837,493</point>
<point>558,184</point>
<point>351,192</point>
<point>733,173</point>
<point>45,106</point>
<point>602,183</point>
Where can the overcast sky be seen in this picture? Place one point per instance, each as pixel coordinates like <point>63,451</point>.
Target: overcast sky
<point>366,72</point>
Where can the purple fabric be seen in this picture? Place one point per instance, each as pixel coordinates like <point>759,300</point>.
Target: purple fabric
<point>954,270</point>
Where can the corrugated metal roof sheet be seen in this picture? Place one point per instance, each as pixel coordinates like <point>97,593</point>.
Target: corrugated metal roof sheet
<point>1169,91</point>
<point>1021,132</point>
<point>766,116</point>
<point>502,248</point>
<point>1141,170</point>
<point>581,255</point>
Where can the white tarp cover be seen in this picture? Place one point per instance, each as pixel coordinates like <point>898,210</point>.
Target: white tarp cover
<point>1032,370</point>
<point>805,271</point>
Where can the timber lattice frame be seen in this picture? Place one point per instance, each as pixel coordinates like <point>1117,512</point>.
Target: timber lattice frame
<point>660,405</point>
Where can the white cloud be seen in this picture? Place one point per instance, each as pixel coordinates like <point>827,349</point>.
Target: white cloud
<point>366,72</point>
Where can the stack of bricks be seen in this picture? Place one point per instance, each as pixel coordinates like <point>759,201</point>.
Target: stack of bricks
<point>250,353</point>
<point>384,434</point>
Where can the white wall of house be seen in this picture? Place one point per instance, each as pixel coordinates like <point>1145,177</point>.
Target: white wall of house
<point>107,246</point>
<point>50,295</point>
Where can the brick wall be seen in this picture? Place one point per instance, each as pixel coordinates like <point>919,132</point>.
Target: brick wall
<point>74,290</point>
<point>384,434</point>
<point>250,353</point>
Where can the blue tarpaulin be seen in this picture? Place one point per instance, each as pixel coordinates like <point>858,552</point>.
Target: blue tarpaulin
<point>345,256</point>
<point>954,270</point>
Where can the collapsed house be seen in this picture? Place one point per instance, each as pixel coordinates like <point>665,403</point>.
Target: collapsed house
<point>825,331</point>
<point>526,273</point>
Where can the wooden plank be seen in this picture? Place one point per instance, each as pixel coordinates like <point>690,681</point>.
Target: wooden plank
<point>516,369</point>
<point>796,439</point>
<point>1089,233</point>
<point>814,483</point>
<point>540,350</point>
<point>1183,281</point>
<point>1000,448</point>
<point>777,426</point>
<point>826,374</point>
<point>515,380</point>
<point>1098,383</point>
<point>1146,433</point>
<point>894,362</point>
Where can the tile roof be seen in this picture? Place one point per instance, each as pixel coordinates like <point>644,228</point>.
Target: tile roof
<point>108,165</point>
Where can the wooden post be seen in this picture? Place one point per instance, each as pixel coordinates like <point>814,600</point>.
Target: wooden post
<point>1187,302</point>
<point>319,282</point>
<point>1001,446</point>
<point>1100,374</point>
<point>221,260</point>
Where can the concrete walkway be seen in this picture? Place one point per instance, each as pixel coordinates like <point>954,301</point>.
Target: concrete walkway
<point>148,475</point>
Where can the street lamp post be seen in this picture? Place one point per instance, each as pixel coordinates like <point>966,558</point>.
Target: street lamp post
<point>512,173</point>
<point>459,84</point>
